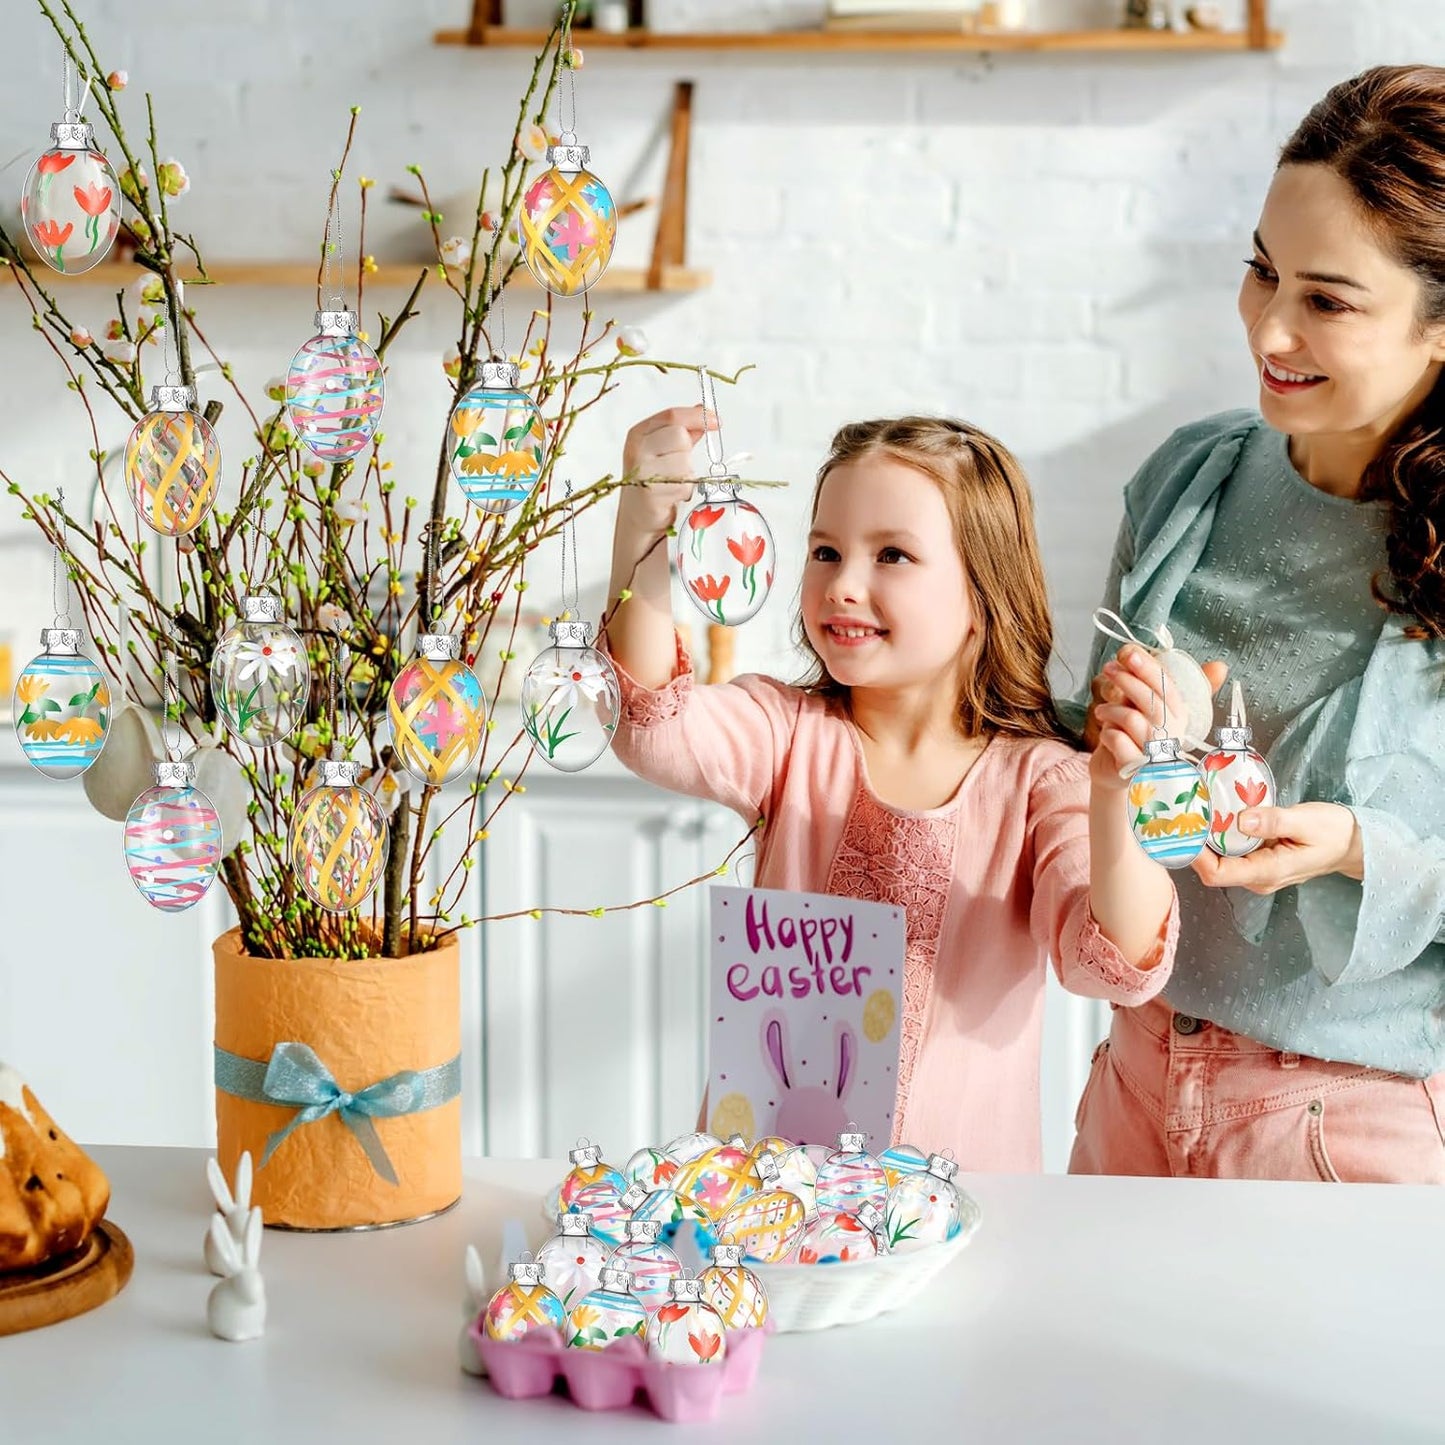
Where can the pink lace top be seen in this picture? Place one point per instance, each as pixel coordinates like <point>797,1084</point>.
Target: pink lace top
<point>993,883</point>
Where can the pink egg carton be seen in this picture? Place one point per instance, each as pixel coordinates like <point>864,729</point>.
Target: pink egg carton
<point>610,1379</point>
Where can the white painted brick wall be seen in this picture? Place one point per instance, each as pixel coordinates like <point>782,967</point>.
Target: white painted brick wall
<point>1048,245</point>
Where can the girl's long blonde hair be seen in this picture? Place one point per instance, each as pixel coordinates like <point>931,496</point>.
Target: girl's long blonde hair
<point>1007,690</point>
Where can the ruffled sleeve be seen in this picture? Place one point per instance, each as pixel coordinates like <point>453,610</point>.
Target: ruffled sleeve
<point>725,741</point>
<point>1061,920</point>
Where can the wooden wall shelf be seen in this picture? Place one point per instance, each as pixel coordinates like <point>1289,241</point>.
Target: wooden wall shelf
<point>299,274</point>
<point>869,42</point>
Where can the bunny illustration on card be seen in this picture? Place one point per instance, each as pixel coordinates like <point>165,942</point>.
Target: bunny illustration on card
<point>234,1208</point>
<point>809,1113</point>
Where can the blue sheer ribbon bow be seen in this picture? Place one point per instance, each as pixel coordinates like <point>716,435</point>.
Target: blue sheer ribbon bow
<point>296,1078</point>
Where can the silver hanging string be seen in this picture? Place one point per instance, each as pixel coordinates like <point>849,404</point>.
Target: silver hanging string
<point>172,732</point>
<point>711,436</point>
<point>261,564</point>
<point>336,665</point>
<point>571,94</point>
<point>170,342</point>
<point>571,603</point>
<point>332,251</point>
<point>123,632</point>
<point>67,81</point>
<point>434,572</point>
<point>59,574</point>
<point>1162,729</point>
<point>499,301</point>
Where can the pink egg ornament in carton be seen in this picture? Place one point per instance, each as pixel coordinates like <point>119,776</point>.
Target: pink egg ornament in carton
<point>690,1361</point>
<point>522,1305</point>
<point>597,1189</point>
<point>675,1213</point>
<point>652,1264</point>
<point>573,1259</point>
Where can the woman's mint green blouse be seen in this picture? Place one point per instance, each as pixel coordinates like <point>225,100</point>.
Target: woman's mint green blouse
<point>1226,544</point>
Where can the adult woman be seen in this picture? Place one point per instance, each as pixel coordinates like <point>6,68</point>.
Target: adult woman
<point>1304,1032</point>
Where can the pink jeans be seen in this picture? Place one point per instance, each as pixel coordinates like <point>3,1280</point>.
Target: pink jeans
<point>1173,1095</point>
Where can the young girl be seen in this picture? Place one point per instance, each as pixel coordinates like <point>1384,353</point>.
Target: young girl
<point>921,765</point>
<point>1304,1032</point>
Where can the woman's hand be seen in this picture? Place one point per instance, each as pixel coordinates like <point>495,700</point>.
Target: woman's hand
<point>1300,843</point>
<point>659,451</point>
<point>1124,713</point>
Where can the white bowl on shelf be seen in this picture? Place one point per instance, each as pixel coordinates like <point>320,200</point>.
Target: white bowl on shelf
<point>819,1296</point>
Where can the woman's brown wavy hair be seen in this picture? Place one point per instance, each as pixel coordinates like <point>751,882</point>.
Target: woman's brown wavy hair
<point>1007,689</point>
<point>1383,134</point>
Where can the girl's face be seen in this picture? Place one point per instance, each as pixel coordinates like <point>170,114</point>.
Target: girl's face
<point>885,596</point>
<point>1331,315</point>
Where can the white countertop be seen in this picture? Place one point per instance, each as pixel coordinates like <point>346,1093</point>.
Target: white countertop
<point>1105,1310</point>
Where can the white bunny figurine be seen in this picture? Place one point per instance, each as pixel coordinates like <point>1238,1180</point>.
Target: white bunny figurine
<point>474,1302</point>
<point>235,1211</point>
<point>236,1309</point>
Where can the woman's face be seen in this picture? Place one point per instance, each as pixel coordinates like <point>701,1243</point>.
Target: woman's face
<point>885,597</point>
<point>1332,317</point>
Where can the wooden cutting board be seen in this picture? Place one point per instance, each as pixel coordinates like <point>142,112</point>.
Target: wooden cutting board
<point>65,1287</point>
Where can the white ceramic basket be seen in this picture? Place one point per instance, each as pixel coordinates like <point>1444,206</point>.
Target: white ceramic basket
<point>819,1296</point>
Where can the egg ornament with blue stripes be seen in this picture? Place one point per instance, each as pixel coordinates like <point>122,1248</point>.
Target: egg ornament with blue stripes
<point>1168,803</point>
<point>173,839</point>
<point>335,389</point>
<point>62,707</point>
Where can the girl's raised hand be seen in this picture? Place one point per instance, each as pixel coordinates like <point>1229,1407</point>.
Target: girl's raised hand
<point>1126,712</point>
<point>659,451</point>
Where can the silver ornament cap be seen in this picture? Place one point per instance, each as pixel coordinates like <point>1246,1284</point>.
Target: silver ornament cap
<point>851,1143</point>
<point>617,1279</point>
<point>1235,739</point>
<point>727,1256</point>
<point>568,155</point>
<point>870,1217</point>
<point>73,135</point>
<point>571,634</point>
<point>525,1271</point>
<point>339,772</point>
<point>1162,750</point>
<point>636,1193</point>
<point>60,641</point>
<point>176,774</point>
<point>575,1223</point>
<point>260,607</point>
<point>645,1230</point>
<point>173,398</point>
<point>498,375</point>
<point>440,647</point>
<point>336,323</point>
<point>688,1291</point>
<point>767,1166</point>
<point>943,1167</point>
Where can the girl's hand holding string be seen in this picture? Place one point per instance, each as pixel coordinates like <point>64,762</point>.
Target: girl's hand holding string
<point>1126,713</point>
<point>659,454</point>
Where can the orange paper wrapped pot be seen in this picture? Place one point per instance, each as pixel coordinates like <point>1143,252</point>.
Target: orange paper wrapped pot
<point>365,1021</point>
